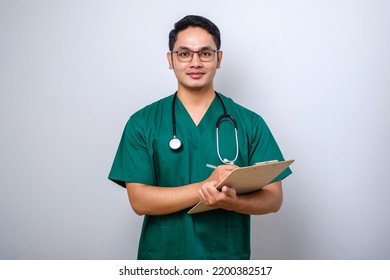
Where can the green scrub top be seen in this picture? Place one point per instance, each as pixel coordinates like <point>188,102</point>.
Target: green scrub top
<point>143,156</point>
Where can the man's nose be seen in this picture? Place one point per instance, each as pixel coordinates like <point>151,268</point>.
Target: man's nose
<point>195,61</point>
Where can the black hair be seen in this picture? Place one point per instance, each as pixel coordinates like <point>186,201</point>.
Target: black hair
<point>194,21</point>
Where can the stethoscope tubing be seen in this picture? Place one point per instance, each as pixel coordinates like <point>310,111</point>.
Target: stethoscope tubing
<point>175,142</point>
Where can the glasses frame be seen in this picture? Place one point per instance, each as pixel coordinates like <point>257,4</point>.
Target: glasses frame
<point>195,52</point>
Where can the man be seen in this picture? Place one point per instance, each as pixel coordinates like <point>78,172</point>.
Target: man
<point>165,147</point>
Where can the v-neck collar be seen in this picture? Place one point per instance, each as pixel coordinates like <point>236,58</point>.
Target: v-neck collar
<point>209,118</point>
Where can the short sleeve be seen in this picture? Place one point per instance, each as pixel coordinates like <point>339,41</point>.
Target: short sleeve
<point>132,160</point>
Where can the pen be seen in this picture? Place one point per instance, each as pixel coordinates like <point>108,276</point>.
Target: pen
<point>211,166</point>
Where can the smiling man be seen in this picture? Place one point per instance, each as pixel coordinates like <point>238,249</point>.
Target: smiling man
<point>165,147</point>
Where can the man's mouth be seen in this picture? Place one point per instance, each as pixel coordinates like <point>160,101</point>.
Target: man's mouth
<point>196,75</point>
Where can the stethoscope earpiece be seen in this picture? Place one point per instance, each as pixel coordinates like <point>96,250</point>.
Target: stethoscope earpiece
<point>226,161</point>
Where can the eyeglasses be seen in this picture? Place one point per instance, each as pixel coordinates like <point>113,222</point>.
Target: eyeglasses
<point>205,55</point>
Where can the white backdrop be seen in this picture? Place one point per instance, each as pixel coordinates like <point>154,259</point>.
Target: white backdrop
<point>72,72</point>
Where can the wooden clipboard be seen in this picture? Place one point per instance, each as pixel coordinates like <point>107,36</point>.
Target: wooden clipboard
<point>248,179</point>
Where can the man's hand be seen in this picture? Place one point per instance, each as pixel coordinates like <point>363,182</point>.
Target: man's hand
<point>221,172</point>
<point>224,198</point>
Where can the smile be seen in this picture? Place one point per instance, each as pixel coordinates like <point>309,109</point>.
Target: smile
<point>196,75</point>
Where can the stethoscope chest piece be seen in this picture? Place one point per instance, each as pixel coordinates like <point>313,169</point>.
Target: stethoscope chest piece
<point>175,143</point>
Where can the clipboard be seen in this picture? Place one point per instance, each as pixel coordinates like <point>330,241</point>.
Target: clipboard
<point>248,179</point>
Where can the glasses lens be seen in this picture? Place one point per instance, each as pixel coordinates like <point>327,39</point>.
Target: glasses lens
<point>187,55</point>
<point>206,55</point>
<point>184,55</point>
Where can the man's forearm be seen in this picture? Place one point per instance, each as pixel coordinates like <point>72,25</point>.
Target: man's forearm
<point>267,200</point>
<point>152,200</point>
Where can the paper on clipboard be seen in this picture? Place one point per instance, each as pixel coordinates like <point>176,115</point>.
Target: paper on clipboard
<point>248,179</point>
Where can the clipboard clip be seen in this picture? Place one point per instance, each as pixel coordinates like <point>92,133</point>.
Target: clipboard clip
<point>266,162</point>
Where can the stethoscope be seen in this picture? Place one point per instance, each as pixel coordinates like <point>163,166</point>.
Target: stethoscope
<point>175,143</point>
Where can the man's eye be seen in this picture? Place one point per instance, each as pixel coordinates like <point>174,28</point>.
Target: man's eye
<point>183,54</point>
<point>206,54</point>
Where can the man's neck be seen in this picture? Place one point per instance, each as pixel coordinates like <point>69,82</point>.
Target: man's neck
<point>196,102</point>
<point>196,97</point>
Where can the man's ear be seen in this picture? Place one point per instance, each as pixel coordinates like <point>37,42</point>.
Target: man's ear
<point>170,60</point>
<point>219,59</point>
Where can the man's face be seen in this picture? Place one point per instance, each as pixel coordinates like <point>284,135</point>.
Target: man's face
<point>195,74</point>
